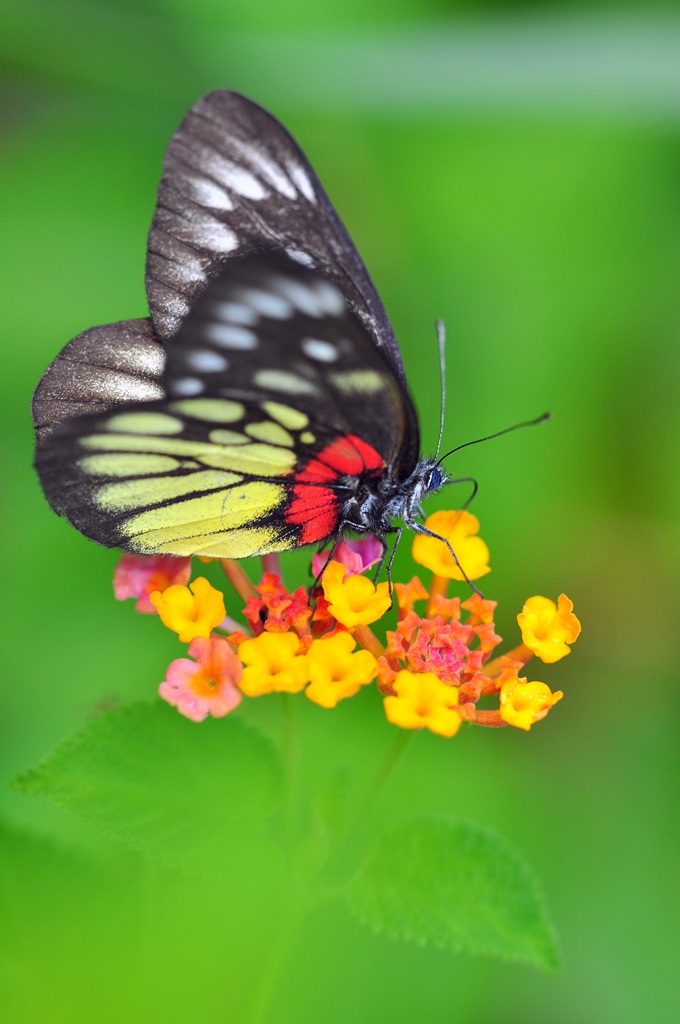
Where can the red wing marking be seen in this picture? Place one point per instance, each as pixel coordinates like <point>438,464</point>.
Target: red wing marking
<point>350,456</point>
<point>316,509</point>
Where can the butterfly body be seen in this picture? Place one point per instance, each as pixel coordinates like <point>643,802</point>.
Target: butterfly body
<point>264,405</point>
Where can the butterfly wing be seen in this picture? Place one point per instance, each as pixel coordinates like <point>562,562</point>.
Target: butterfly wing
<point>277,406</point>
<point>100,369</point>
<point>235,182</point>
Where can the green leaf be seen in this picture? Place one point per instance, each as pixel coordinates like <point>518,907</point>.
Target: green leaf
<point>185,793</point>
<point>458,886</point>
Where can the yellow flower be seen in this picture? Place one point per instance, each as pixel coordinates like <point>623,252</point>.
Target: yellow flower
<point>336,673</point>
<point>353,601</point>
<point>524,703</point>
<point>190,611</point>
<point>423,701</point>
<point>272,664</point>
<point>459,528</point>
<point>547,627</point>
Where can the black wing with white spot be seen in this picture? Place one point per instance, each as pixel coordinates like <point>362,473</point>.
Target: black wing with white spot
<point>235,182</point>
<point>269,328</point>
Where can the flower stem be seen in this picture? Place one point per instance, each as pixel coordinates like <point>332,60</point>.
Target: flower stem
<point>492,718</point>
<point>344,852</point>
<point>521,654</point>
<point>238,579</point>
<point>393,758</point>
<point>367,639</point>
<point>271,563</point>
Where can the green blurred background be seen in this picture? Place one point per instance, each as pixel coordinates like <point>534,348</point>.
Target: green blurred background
<point>515,169</point>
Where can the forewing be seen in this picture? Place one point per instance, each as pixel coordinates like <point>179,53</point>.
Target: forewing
<point>235,182</point>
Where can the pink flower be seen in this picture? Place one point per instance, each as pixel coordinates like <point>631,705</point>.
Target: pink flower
<point>206,686</point>
<point>356,555</point>
<point>140,575</point>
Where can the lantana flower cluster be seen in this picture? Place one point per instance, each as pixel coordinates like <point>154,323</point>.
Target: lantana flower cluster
<point>432,670</point>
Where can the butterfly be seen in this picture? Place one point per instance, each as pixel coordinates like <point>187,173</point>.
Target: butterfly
<point>263,405</point>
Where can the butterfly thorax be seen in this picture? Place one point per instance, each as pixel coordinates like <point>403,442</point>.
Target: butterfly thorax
<point>373,504</point>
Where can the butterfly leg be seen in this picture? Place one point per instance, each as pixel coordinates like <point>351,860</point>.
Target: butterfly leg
<point>319,575</point>
<point>399,533</point>
<point>381,563</point>
<point>419,528</point>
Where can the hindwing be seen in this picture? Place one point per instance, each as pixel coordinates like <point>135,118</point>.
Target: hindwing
<point>276,405</point>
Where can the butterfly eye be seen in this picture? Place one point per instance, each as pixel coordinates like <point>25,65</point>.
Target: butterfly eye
<point>435,481</point>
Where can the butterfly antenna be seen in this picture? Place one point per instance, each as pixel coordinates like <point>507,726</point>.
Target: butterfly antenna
<point>508,430</point>
<point>441,339</point>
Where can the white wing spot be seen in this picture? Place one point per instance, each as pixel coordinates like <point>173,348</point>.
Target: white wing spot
<point>321,350</point>
<point>317,299</point>
<point>301,257</point>
<point>235,313</point>
<point>267,303</point>
<point>280,380</point>
<point>330,298</point>
<point>209,194</point>
<point>176,309</point>
<point>207,361</point>
<point>202,228</point>
<point>299,178</point>
<point>238,179</point>
<point>188,269</point>
<point>270,171</point>
<point>231,337</point>
<point>187,386</point>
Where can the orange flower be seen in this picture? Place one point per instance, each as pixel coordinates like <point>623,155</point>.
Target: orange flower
<point>524,703</point>
<point>423,701</point>
<point>408,594</point>
<point>190,611</point>
<point>353,600</point>
<point>276,610</point>
<point>547,628</point>
<point>335,672</point>
<point>459,528</point>
<point>273,664</point>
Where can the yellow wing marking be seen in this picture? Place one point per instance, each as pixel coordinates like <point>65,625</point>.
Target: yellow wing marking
<point>307,437</point>
<point>131,494</point>
<point>215,513</point>
<point>366,381</point>
<point>257,540</point>
<point>255,459</point>
<point>214,410</point>
<point>270,432</point>
<point>146,443</point>
<point>227,437</point>
<point>145,423</point>
<point>291,418</point>
<point>123,464</point>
